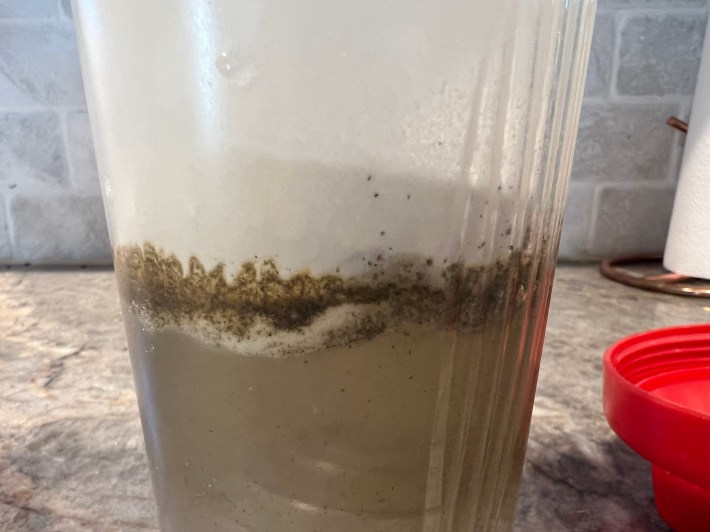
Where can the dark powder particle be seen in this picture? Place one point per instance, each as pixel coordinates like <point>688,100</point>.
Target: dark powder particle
<point>382,233</point>
<point>376,195</point>
<point>157,285</point>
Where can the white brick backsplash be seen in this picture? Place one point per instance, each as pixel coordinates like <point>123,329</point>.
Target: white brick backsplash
<point>42,61</point>
<point>642,69</point>
<point>601,58</point>
<point>14,96</point>
<point>22,9</point>
<point>59,229</point>
<point>660,54</point>
<point>81,149</point>
<point>31,151</point>
<point>619,143</point>
<point>5,245</point>
<point>631,221</point>
<point>578,218</point>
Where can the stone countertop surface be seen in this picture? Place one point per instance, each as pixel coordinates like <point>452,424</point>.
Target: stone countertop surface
<point>71,449</point>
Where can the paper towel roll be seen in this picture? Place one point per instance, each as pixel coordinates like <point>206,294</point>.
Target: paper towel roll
<point>688,246</point>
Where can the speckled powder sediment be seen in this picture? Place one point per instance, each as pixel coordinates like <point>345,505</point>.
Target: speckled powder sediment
<point>323,402</point>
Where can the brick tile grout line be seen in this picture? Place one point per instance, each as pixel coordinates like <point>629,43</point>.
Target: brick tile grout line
<point>656,10</point>
<point>40,108</point>
<point>649,99</point>
<point>619,25</point>
<point>63,116</point>
<point>659,184</point>
<point>10,225</point>
<point>592,227</point>
<point>35,22</point>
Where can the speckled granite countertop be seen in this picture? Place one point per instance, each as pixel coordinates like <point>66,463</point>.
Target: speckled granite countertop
<point>71,451</point>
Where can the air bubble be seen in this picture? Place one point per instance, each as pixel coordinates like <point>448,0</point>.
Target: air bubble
<point>238,70</point>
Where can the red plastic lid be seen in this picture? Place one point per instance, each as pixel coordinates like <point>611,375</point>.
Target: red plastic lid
<point>657,399</point>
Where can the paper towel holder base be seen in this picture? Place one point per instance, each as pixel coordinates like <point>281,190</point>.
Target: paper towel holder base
<point>617,269</point>
<point>666,282</point>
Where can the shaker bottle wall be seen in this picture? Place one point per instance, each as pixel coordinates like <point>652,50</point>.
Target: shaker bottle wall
<point>334,228</point>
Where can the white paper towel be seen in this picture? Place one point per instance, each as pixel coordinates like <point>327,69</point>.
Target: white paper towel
<point>688,246</point>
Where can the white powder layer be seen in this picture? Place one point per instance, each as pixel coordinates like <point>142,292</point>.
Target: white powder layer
<point>335,327</point>
<point>320,218</point>
<point>228,130</point>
